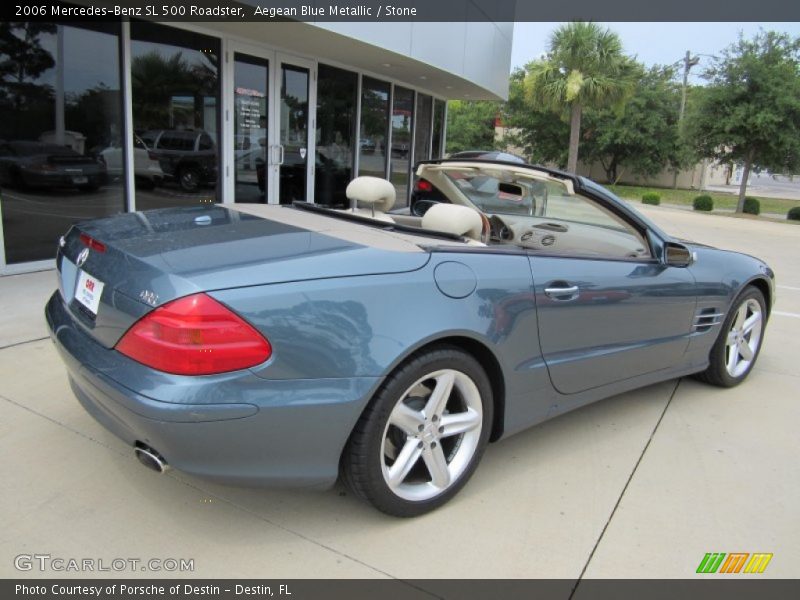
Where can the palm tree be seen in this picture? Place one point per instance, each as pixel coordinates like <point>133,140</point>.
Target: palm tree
<point>585,67</point>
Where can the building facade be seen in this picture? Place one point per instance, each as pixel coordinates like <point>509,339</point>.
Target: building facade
<point>102,118</point>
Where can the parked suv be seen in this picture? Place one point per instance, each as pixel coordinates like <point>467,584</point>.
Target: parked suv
<point>188,157</point>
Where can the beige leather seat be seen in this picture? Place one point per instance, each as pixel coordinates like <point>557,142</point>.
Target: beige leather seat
<point>371,197</point>
<point>452,218</point>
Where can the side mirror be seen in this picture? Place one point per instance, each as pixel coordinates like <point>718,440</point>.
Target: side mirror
<point>677,255</point>
<point>420,207</point>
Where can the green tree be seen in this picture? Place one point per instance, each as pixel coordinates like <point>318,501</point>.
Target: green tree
<point>642,139</point>
<point>539,134</point>
<point>470,125</point>
<point>750,111</point>
<point>584,68</point>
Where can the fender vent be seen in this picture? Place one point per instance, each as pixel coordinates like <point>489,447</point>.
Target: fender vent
<point>706,318</point>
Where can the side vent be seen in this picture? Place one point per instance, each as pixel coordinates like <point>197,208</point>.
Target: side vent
<point>706,318</point>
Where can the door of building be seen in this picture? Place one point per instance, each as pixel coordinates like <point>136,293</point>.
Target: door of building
<point>270,124</point>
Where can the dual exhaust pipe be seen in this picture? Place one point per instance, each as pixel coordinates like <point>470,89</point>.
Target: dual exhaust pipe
<point>150,458</point>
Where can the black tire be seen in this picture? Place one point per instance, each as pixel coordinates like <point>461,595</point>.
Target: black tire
<point>363,459</point>
<point>145,183</point>
<point>17,180</point>
<point>189,179</point>
<point>717,372</point>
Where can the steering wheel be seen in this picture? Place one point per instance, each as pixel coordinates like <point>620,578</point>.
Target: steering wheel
<point>486,228</point>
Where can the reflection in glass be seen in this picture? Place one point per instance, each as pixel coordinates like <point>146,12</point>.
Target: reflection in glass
<point>402,122</point>
<point>250,121</point>
<point>374,127</point>
<point>336,115</point>
<point>175,97</point>
<point>62,120</point>
<point>293,133</point>
<point>422,135</point>
<point>438,128</point>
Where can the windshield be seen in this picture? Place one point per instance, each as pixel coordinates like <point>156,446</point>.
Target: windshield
<point>499,191</point>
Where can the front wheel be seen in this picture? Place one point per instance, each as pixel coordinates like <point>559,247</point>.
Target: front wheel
<point>422,436</point>
<point>736,350</point>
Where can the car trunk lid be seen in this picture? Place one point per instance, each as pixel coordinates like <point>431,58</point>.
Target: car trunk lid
<point>135,262</point>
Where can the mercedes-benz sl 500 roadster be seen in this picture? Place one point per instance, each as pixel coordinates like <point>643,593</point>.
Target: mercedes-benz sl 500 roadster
<point>292,345</point>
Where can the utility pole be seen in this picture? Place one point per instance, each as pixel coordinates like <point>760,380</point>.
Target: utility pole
<point>689,61</point>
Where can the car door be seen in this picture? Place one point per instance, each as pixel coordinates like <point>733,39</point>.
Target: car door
<point>607,309</point>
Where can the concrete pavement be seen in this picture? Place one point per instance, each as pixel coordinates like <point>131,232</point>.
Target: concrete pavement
<point>639,485</point>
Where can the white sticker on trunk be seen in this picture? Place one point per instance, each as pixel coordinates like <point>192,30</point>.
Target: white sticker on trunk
<point>88,291</point>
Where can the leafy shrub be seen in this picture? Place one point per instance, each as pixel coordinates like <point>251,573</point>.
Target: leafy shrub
<point>703,202</point>
<point>793,214</point>
<point>651,198</point>
<point>752,206</point>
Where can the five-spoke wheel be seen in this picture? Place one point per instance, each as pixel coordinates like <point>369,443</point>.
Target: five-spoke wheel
<point>744,337</point>
<point>432,434</point>
<point>735,352</point>
<point>423,434</point>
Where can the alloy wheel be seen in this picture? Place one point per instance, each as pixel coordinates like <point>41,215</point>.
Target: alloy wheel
<point>431,435</point>
<point>744,337</point>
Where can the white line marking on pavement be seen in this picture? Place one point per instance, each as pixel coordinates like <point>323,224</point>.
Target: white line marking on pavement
<point>788,287</point>
<point>786,314</point>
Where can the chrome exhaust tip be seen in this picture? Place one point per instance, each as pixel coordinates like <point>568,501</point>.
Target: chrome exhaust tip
<point>150,458</point>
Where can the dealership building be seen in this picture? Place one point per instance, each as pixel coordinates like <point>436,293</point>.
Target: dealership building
<point>115,116</point>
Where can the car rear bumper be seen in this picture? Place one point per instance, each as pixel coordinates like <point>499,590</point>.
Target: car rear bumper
<point>289,433</point>
<point>61,178</point>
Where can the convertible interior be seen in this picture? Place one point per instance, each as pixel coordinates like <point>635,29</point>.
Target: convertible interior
<point>495,204</point>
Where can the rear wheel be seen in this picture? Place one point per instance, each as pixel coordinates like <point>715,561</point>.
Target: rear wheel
<point>735,352</point>
<point>422,436</point>
<point>189,179</point>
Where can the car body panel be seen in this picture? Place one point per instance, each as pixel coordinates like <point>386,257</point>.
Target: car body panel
<point>627,318</point>
<point>169,253</point>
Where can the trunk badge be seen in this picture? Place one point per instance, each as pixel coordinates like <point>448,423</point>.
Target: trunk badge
<point>82,257</point>
<point>148,297</point>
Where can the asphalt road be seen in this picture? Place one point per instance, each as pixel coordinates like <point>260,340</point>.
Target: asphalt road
<point>768,186</point>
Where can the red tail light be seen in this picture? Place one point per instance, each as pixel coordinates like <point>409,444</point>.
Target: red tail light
<point>92,243</point>
<point>424,185</point>
<point>194,335</point>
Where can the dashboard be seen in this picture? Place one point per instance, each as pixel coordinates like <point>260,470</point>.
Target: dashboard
<point>542,233</point>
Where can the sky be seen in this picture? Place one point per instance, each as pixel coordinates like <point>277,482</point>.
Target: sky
<point>651,43</point>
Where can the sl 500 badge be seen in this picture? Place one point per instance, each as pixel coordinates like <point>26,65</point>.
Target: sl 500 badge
<point>148,297</point>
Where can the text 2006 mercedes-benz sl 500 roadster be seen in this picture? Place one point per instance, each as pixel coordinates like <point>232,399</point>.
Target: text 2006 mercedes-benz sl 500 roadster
<point>286,345</point>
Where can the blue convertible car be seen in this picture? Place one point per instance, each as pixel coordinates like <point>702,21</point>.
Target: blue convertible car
<point>288,345</point>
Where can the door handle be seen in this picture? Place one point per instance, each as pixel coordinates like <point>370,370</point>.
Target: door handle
<point>280,160</point>
<point>562,293</point>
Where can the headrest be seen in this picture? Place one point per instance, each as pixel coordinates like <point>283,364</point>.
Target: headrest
<point>452,218</point>
<point>371,192</point>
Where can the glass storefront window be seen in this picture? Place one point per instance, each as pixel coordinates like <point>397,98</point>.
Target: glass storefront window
<point>250,124</point>
<point>175,97</point>
<point>402,123</point>
<point>422,134</point>
<point>374,127</point>
<point>293,133</point>
<point>438,128</point>
<point>61,135</point>
<point>337,92</point>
